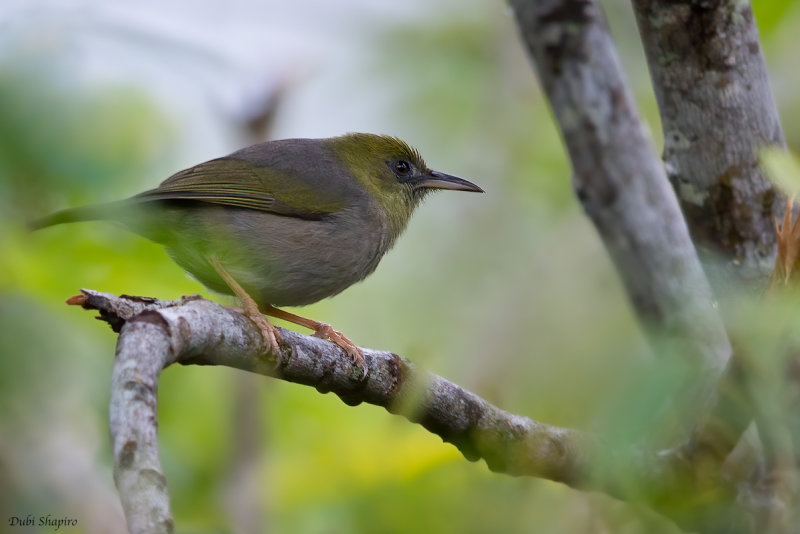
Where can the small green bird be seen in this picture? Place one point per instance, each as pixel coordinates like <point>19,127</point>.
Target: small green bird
<point>282,223</point>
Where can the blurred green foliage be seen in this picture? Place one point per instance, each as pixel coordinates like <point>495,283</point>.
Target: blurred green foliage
<point>770,14</point>
<point>510,295</point>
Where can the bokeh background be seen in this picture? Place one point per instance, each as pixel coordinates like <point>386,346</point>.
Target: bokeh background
<point>509,294</point>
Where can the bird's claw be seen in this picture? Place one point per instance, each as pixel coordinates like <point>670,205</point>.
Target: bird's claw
<point>326,331</point>
<point>269,332</point>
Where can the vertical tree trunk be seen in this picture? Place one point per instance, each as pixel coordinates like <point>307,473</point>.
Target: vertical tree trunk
<point>717,111</point>
<point>621,184</point>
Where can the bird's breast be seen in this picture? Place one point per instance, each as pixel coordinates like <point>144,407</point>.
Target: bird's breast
<point>287,261</point>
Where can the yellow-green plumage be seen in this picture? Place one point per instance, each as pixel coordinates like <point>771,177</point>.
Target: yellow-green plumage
<point>293,221</point>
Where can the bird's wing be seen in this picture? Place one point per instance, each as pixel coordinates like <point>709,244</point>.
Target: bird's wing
<point>236,183</point>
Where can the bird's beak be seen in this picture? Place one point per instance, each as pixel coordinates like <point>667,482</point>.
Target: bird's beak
<point>439,180</point>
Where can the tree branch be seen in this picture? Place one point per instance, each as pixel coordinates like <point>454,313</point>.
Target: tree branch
<point>193,330</point>
<point>156,333</point>
<point>717,111</point>
<point>622,184</point>
<point>137,470</point>
<point>625,191</point>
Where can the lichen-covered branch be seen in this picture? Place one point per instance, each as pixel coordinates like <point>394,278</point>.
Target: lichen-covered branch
<point>155,334</point>
<point>197,331</point>
<point>717,111</point>
<point>137,470</point>
<point>621,182</point>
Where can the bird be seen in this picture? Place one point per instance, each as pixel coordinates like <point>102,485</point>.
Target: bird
<point>282,223</point>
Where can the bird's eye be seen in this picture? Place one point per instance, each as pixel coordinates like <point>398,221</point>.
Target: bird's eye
<point>401,167</point>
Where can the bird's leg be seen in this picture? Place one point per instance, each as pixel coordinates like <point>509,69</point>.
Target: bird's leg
<point>250,308</point>
<point>322,330</point>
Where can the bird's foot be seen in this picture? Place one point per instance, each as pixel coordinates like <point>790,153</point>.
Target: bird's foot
<point>326,331</point>
<point>269,332</point>
<point>250,309</point>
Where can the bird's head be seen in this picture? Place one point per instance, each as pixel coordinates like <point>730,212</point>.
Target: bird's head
<point>392,171</point>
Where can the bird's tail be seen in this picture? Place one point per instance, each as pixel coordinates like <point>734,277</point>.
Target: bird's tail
<point>94,212</point>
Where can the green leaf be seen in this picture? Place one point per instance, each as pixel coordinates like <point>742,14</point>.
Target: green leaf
<point>783,168</point>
